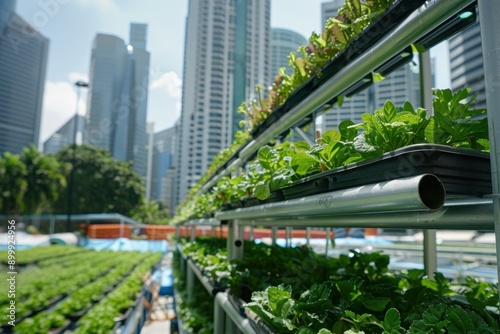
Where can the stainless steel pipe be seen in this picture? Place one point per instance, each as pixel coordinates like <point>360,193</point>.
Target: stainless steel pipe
<point>414,193</point>
<point>465,217</point>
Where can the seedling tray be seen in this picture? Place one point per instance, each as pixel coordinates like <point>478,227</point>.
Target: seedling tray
<point>462,171</point>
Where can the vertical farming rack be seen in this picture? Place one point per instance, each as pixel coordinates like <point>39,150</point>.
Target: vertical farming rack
<point>402,202</point>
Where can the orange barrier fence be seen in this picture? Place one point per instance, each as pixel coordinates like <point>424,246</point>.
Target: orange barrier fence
<point>164,232</point>
<point>109,231</point>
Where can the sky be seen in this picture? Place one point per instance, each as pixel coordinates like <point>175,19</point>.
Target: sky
<point>71,26</point>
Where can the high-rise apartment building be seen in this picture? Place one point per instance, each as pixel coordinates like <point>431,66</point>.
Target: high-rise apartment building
<point>227,53</point>
<point>118,96</point>
<point>23,61</point>
<point>283,41</point>
<point>163,166</point>
<point>65,135</point>
<point>466,63</point>
<point>400,86</point>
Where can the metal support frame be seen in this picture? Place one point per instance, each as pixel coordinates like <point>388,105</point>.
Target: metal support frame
<point>484,213</point>
<point>234,240</point>
<point>288,236</point>
<point>430,247</point>
<point>225,312</point>
<point>327,237</point>
<point>274,234</point>
<point>489,12</point>
<point>304,135</point>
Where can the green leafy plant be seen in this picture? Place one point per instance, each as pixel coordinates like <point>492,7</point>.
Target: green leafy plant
<point>455,123</point>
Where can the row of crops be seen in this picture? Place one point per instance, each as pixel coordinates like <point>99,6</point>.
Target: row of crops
<point>62,288</point>
<point>294,290</point>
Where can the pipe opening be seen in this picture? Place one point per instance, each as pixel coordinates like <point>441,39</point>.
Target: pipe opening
<point>431,192</point>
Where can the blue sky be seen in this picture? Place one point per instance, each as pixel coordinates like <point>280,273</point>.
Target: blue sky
<point>71,26</point>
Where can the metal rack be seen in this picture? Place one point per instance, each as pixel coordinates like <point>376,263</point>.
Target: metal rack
<point>463,213</point>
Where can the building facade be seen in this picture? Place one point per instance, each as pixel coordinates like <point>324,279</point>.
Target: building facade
<point>226,55</point>
<point>283,41</point>
<point>65,135</point>
<point>163,166</point>
<point>23,55</point>
<point>118,96</point>
<point>466,63</point>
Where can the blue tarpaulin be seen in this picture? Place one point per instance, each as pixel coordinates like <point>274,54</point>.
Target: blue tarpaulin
<point>124,244</point>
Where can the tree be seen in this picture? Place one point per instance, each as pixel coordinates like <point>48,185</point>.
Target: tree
<point>153,212</point>
<point>45,178</point>
<point>13,183</point>
<point>102,184</point>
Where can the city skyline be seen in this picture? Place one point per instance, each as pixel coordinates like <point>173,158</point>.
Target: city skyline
<point>118,96</point>
<point>70,48</point>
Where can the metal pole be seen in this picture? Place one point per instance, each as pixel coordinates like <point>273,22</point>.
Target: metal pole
<point>52,225</point>
<point>234,240</point>
<point>121,228</point>
<point>327,233</point>
<point>274,232</point>
<point>308,236</point>
<point>79,85</point>
<point>490,30</point>
<point>430,246</point>
<point>219,315</point>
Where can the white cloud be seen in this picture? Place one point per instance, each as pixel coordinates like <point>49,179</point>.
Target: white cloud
<point>164,100</point>
<point>59,104</point>
<point>104,4</point>
<point>170,83</point>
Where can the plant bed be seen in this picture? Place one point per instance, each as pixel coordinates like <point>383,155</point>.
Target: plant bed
<point>462,171</point>
<point>357,46</point>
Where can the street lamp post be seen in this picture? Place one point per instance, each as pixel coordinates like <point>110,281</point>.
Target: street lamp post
<point>79,85</point>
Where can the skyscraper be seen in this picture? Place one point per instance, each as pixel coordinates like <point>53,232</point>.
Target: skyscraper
<point>400,86</point>
<point>226,55</point>
<point>65,135</point>
<point>466,63</point>
<point>163,154</point>
<point>283,41</point>
<point>23,61</point>
<point>118,96</point>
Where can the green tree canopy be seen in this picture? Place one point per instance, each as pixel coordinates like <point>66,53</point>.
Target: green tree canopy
<point>102,184</point>
<point>13,183</point>
<point>153,212</point>
<point>45,178</point>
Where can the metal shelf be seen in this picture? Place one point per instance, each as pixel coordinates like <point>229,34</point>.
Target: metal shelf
<point>222,303</point>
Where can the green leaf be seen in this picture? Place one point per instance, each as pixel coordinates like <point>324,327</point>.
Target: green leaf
<point>267,157</point>
<point>330,136</point>
<point>392,322</point>
<point>275,295</point>
<point>377,77</point>
<point>347,131</point>
<point>302,163</point>
<point>340,101</point>
<point>261,190</point>
<point>321,331</point>
<point>375,303</point>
